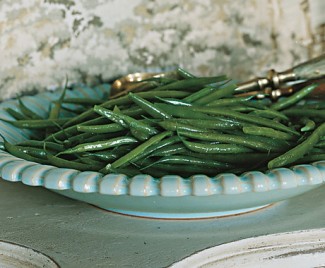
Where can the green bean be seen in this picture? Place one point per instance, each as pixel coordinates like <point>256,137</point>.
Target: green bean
<point>300,150</point>
<point>203,124</point>
<point>90,161</point>
<point>156,147</point>
<point>313,105</point>
<point>271,114</point>
<point>64,163</point>
<point>38,123</point>
<point>237,108</point>
<point>204,92</point>
<point>159,81</point>
<point>298,112</point>
<point>175,101</point>
<point>169,150</point>
<point>99,145</point>
<point>148,107</point>
<point>217,124</point>
<point>40,144</point>
<point>227,138</point>
<point>72,130</point>
<point>229,101</point>
<point>191,83</point>
<point>182,111</point>
<point>240,159</point>
<point>293,99</point>
<point>267,132</point>
<point>188,160</point>
<point>34,152</point>
<point>138,150</point>
<point>108,128</point>
<point>244,117</point>
<point>15,114</point>
<point>224,91</point>
<point>27,112</point>
<point>309,125</point>
<point>184,74</point>
<point>140,130</point>
<point>113,116</point>
<point>103,155</point>
<point>211,148</point>
<point>320,144</point>
<point>55,111</point>
<point>16,151</point>
<point>174,125</point>
<point>310,158</point>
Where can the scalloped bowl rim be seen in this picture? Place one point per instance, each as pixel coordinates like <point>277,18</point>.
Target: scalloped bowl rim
<point>33,174</point>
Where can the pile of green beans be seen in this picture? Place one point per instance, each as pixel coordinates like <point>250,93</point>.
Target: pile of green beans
<point>184,126</point>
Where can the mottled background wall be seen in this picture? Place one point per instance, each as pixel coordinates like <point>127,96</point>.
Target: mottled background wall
<point>42,41</point>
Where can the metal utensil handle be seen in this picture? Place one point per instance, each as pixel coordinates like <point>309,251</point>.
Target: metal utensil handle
<point>313,69</point>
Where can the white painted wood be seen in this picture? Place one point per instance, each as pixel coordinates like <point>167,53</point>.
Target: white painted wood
<point>295,249</point>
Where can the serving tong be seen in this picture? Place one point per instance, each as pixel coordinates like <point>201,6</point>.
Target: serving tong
<point>274,85</point>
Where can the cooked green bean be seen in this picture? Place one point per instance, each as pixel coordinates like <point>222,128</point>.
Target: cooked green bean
<point>174,101</point>
<point>310,159</point>
<point>184,74</point>
<point>64,163</point>
<point>191,83</point>
<point>267,132</point>
<point>212,148</point>
<point>224,91</point>
<point>100,128</point>
<point>320,144</point>
<point>270,114</point>
<point>139,129</point>
<point>174,125</point>
<point>40,144</point>
<point>15,114</point>
<point>308,125</point>
<point>228,138</point>
<point>244,117</point>
<point>156,147</point>
<point>188,160</point>
<point>300,150</point>
<point>298,112</point>
<point>16,151</point>
<point>169,150</point>
<point>293,99</point>
<point>38,123</point>
<point>138,150</point>
<point>55,110</point>
<point>99,145</point>
<point>229,101</point>
<point>148,107</point>
<point>203,92</point>
<point>182,111</point>
<point>26,111</point>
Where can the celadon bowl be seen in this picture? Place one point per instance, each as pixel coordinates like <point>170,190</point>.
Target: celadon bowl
<point>171,196</point>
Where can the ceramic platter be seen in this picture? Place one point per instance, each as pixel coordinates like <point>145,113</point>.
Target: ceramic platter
<point>171,196</point>
<point>296,249</point>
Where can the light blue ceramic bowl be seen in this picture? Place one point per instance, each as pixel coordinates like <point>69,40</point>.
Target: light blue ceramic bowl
<point>167,197</point>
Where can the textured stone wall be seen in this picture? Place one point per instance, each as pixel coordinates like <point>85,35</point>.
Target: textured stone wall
<point>42,41</point>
